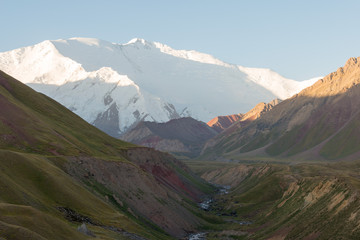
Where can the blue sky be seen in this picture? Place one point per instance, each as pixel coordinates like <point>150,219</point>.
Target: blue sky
<point>298,39</point>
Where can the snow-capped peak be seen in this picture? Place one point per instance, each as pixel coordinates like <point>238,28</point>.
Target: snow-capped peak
<point>186,54</point>
<point>115,85</point>
<point>41,63</point>
<point>280,86</point>
<point>108,75</point>
<point>191,55</point>
<point>138,40</point>
<point>88,41</point>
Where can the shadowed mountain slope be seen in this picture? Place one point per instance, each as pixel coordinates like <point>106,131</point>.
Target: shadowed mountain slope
<point>182,136</point>
<point>321,122</point>
<point>57,171</point>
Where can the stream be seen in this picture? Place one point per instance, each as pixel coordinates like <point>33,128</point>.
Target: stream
<point>197,236</point>
<point>205,205</point>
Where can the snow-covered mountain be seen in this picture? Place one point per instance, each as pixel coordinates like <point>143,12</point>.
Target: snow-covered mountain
<point>113,86</point>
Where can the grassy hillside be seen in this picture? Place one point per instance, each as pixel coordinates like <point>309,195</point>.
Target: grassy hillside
<point>305,201</point>
<point>32,190</point>
<point>57,171</point>
<point>36,123</point>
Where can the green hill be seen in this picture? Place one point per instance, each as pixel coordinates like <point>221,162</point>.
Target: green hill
<point>57,171</point>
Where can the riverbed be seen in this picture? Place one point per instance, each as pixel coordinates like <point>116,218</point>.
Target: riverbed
<point>206,206</point>
<point>197,236</point>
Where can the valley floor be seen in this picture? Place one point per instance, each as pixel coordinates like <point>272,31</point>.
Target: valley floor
<point>283,201</point>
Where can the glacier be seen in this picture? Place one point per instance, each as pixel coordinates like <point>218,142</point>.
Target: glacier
<point>114,86</point>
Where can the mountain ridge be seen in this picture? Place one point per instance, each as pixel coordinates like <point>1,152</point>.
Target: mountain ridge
<point>64,170</point>
<point>170,83</point>
<point>319,123</point>
<point>220,123</point>
<point>183,136</point>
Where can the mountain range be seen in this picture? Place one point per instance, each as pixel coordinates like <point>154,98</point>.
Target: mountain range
<point>319,123</point>
<point>115,86</point>
<point>221,123</point>
<point>186,136</point>
<point>63,178</point>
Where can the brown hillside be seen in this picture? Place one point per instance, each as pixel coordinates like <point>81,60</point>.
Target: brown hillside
<point>221,122</point>
<point>183,135</point>
<point>245,120</point>
<point>320,122</point>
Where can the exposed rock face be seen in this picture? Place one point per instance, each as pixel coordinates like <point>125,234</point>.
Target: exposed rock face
<point>244,120</point>
<point>108,120</point>
<point>322,121</point>
<point>153,190</point>
<point>221,122</point>
<point>184,135</point>
<point>83,229</point>
<point>259,109</point>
